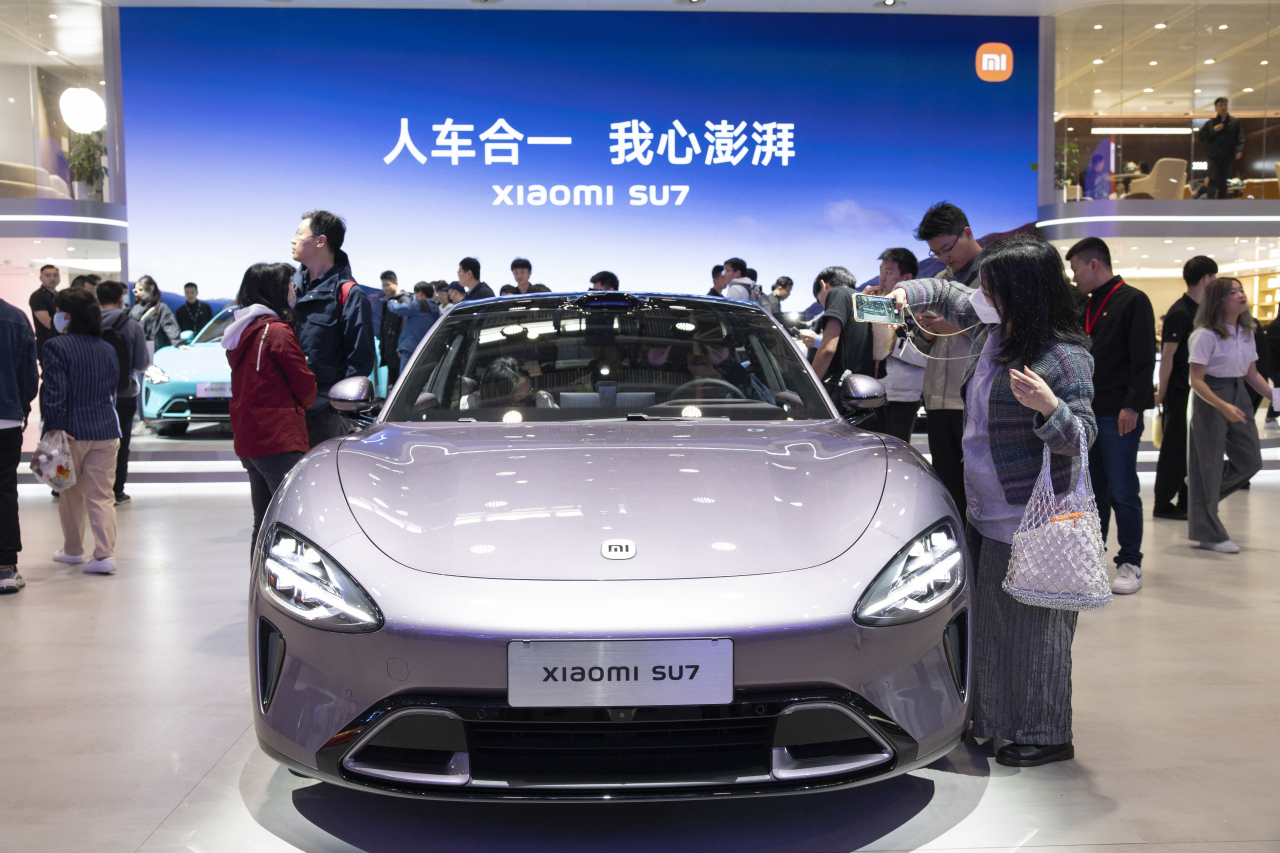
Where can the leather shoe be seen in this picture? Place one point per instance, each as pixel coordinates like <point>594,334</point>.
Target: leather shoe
<point>1030,755</point>
<point>1177,513</point>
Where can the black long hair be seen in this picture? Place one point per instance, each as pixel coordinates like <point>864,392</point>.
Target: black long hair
<point>1024,279</point>
<point>84,314</point>
<point>267,284</point>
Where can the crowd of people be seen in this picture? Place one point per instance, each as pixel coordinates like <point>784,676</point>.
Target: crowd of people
<point>1005,352</point>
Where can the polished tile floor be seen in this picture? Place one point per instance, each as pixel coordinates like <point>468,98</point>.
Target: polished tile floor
<point>126,721</point>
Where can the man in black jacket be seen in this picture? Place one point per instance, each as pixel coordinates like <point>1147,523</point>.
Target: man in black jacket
<point>1224,141</point>
<point>193,315</point>
<point>469,278</point>
<point>335,320</point>
<point>390,326</point>
<point>1175,389</point>
<point>1120,323</point>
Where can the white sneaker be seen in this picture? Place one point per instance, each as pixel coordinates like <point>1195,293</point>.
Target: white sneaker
<point>1227,547</point>
<point>10,580</point>
<point>70,559</point>
<point>105,566</point>
<point>1128,579</point>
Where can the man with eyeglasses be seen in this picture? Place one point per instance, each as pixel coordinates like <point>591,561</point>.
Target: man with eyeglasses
<point>946,230</point>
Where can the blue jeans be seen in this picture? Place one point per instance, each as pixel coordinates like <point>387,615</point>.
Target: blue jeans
<point>1113,468</point>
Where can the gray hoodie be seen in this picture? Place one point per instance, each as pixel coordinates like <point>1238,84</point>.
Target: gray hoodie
<point>133,333</point>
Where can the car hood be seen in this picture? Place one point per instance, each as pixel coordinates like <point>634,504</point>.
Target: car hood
<point>196,363</point>
<point>540,500</point>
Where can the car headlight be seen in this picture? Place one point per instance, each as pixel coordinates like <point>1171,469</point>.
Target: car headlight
<point>311,587</point>
<point>918,581</point>
<point>155,376</point>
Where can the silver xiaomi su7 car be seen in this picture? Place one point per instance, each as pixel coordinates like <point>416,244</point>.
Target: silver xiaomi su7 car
<point>609,546</point>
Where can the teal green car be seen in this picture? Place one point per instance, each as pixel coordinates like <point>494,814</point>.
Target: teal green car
<point>190,383</point>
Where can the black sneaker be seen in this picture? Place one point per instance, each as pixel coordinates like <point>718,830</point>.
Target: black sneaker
<point>10,580</point>
<point>1031,755</point>
<point>1177,513</point>
<point>122,498</point>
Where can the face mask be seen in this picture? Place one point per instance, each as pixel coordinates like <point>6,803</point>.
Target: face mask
<point>293,297</point>
<point>986,313</point>
<point>61,320</point>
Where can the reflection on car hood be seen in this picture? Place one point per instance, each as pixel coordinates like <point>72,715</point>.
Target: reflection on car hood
<point>539,500</point>
<point>196,363</point>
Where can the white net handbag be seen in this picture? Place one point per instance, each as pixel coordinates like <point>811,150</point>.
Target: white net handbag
<point>1059,560</point>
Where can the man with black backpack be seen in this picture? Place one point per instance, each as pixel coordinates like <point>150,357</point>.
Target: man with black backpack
<point>125,334</point>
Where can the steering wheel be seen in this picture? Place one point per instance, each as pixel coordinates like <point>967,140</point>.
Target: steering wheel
<point>736,392</point>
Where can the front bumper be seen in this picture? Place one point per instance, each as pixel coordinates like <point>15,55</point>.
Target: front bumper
<point>635,753</point>
<point>177,401</point>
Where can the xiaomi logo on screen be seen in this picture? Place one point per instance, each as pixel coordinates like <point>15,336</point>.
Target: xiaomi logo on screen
<point>994,62</point>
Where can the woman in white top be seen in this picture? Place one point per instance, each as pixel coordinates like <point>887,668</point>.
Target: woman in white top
<point>1223,358</point>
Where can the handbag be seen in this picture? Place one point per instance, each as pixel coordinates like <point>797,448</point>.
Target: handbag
<point>51,461</point>
<point>1059,559</point>
<point>1157,428</point>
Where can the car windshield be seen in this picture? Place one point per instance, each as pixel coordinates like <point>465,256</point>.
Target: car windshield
<point>607,355</point>
<point>213,331</point>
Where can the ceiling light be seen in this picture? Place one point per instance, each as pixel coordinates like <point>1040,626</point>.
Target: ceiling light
<point>102,82</point>
<point>1222,26</point>
<point>1134,248</point>
<point>1069,129</point>
<point>83,110</point>
<point>1263,62</point>
<point>1208,62</point>
<point>1142,131</point>
<point>1148,90</point>
<point>1161,26</point>
<point>1097,91</point>
<point>1097,62</point>
<point>71,248</point>
<point>1197,91</point>
<point>53,53</point>
<point>1168,241</point>
<point>1191,248</point>
<point>1152,62</point>
<point>1097,26</point>
<point>53,16</point>
<point>1146,256</point>
<point>37,241</point>
<point>1247,89</point>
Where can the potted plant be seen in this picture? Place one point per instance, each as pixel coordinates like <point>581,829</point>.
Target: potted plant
<point>1066,165</point>
<point>85,161</point>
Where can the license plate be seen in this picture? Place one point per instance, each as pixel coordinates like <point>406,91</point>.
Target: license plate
<point>213,389</point>
<point>619,673</point>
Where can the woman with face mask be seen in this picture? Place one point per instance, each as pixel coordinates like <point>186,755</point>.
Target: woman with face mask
<point>1028,383</point>
<point>271,385</point>
<point>79,399</point>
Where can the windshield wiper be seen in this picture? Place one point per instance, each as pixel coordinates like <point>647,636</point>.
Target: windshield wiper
<point>641,416</point>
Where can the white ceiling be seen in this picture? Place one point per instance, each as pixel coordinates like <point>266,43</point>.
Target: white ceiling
<point>901,7</point>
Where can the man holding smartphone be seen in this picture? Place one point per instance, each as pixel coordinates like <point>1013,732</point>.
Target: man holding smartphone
<point>946,230</point>
<point>846,343</point>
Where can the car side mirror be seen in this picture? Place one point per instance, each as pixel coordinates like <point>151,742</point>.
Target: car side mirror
<point>353,394</point>
<point>859,394</point>
<point>187,336</point>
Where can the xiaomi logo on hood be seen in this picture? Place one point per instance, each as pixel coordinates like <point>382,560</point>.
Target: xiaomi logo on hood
<point>994,62</point>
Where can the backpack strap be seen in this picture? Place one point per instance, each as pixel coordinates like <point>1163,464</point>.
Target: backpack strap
<point>120,322</point>
<point>344,292</point>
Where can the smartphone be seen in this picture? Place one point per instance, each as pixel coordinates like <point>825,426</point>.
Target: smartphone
<point>877,309</point>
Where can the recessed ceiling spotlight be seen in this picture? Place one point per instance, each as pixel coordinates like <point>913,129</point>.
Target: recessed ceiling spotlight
<point>1097,62</point>
<point>1097,26</point>
<point>1222,26</point>
<point>1148,90</point>
<point>1168,241</point>
<point>55,17</point>
<point>1197,91</point>
<point>1161,26</point>
<point>1208,62</point>
<point>53,53</point>
<point>1264,62</point>
<point>1248,89</point>
<point>1097,91</point>
<point>1152,62</point>
<point>102,82</point>
<point>1070,129</point>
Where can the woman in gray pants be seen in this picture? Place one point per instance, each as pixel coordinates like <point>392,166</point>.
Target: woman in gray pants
<point>1028,383</point>
<point>1223,357</point>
